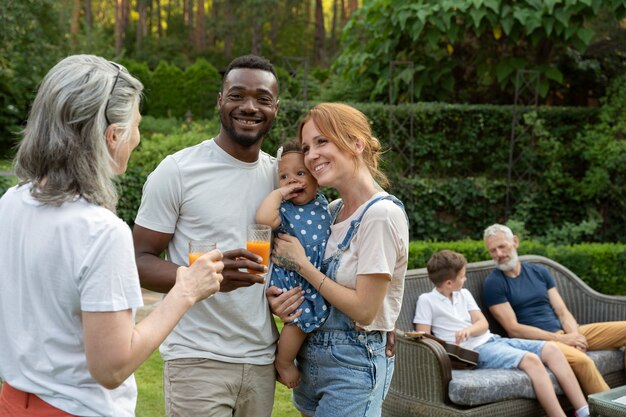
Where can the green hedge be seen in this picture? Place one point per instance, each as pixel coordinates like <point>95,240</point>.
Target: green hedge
<point>601,266</point>
<point>6,183</point>
<point>452,176</point>
<point>453,173</point>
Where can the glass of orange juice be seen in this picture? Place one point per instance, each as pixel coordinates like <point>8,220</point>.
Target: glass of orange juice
<point>197,248</point>
<point>258,241</point>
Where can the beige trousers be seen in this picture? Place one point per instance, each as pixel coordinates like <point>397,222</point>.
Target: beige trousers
<point>600,336</point>
<point>207,388</point>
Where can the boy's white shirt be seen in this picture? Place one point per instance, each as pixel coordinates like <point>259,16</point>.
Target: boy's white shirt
<point>445,317</point>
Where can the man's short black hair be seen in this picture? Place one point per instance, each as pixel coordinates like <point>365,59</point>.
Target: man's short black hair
<point>252,62</point>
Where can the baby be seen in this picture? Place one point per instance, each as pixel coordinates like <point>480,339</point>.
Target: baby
<point>298,209</point>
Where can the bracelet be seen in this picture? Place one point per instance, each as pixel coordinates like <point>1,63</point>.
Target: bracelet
<point>321,283</point>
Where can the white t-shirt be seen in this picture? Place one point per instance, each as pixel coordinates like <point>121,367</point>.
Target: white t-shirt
<point>447,316</point>
<point>56,262</point>
<point>380,246</point>
<point>203,193</point>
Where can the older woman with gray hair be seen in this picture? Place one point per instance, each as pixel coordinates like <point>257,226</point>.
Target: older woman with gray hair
<point>69,286</point>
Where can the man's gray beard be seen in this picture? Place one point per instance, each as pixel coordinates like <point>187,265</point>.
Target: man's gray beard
<point>510,265</point>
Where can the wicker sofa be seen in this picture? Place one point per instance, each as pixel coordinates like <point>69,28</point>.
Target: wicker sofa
<point>425,385</point>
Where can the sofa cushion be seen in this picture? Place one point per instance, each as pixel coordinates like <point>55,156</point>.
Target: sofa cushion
<point>608,361</point>
<point>483,386</point>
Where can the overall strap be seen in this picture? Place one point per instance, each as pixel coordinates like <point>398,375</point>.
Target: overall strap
<point>354,224</point>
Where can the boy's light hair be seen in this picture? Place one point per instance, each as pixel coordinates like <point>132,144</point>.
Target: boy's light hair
<point>444,265</point>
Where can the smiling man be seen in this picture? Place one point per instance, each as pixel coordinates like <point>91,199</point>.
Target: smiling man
<point>523,297</point>
<point>219,360</point>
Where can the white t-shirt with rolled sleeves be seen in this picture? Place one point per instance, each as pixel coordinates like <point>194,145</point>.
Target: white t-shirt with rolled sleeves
<point>203,193</point>
<point>56,263</point>
<point>380,246</point>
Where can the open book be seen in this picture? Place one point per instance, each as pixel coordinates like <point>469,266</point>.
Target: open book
<point>460,358</point>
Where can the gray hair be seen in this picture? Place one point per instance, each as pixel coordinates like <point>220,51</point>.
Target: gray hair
<point>64,139</point>
<point>498,228</point>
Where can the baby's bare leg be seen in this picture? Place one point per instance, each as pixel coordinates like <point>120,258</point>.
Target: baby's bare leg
<point>291,338</point>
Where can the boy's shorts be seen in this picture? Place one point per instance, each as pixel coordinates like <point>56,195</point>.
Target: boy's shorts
<point>502,352</point>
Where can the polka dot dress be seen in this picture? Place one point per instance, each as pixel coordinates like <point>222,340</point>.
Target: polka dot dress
<point>310,223</point>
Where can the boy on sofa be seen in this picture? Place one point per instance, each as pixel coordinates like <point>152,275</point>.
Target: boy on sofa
<point>451,313</point>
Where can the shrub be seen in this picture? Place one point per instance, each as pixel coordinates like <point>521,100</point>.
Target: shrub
<point>172,136</point>
<point>5,184</point>
<point>141,71</point>
<point>164,98</point>
<point>601,265</point>
<point>201,85</point>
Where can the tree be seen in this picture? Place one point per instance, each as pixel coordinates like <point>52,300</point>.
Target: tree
<point>464,50</point>
<point>31,42</point>
<point>74,25</point>
<point>88,16</point>
<point>200,29</point>
<point>141,29</point>
<point>319,40</point>
<point>119,18</point>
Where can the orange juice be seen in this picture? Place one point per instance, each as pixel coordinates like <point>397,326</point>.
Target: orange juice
<point>193,256</point>
<point>261,248</point>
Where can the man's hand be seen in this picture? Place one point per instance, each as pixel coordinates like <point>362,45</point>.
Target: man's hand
<point>234,278</point>
<point>284,304</point>
<point>576,340</point>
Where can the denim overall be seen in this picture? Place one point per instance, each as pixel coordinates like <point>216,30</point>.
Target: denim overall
<point>344,372</point>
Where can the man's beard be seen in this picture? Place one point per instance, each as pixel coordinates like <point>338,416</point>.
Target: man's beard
<point>510,265</point>
<point>243,139</point>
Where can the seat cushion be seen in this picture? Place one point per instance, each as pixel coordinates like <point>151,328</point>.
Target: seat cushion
<point>483,386</point>
<point>608,361</point>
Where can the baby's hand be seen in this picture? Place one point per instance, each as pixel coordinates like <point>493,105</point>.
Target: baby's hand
<point>288,192</point>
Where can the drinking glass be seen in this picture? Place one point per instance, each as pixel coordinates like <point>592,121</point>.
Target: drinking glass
<point>197,248</point>
<point>258,242</point>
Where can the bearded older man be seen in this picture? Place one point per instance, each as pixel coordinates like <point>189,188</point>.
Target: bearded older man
<point>523,297</point>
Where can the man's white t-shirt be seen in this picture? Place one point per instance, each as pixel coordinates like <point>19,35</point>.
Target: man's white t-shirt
<point>203,193</point>
<point>446,316</point>
<point>380,246</point>
<point>55,263</point>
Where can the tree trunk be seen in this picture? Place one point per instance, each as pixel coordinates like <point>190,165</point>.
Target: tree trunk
<point>126,21</point>
<point>229,17</point>
<point>88,16</point>
<point>307,12</point>
<point>333,30</point>
<point>168,17</point>
<point>158,18</point>
<point>141,24</point>
<point>200,28</point>
<point>353,5</point>
<point>189,23</point>
<point>119,12</point>
<point>75,24</point>
<point>210,34</point>
<point>319,38</point>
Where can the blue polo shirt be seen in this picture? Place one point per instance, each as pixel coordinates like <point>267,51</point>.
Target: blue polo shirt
<point>527,294</point>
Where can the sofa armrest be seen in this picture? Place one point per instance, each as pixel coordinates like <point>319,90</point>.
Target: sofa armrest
<point>422,369</point>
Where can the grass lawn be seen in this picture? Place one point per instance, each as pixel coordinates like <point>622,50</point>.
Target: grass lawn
<point>150,387</point>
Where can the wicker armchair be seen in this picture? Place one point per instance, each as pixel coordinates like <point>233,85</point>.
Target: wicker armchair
<point>422,368</point>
